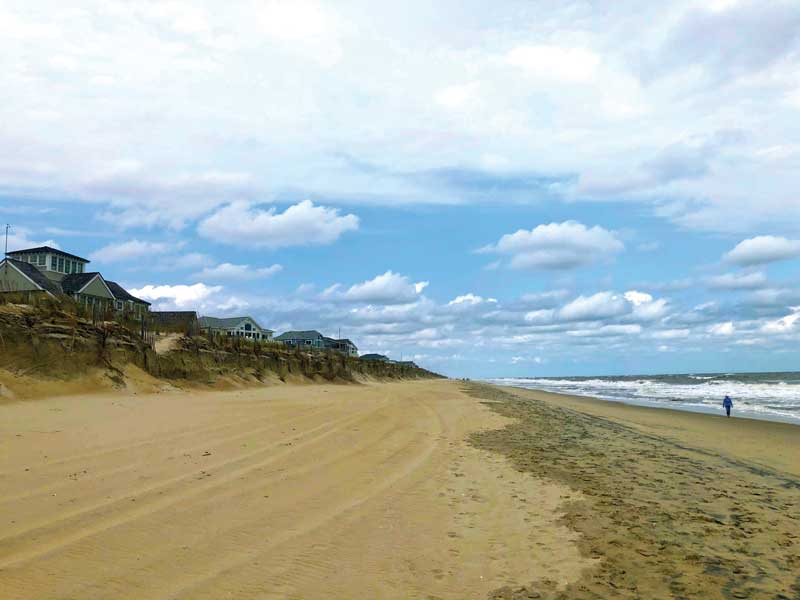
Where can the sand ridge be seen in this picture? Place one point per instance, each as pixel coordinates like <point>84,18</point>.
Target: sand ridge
<point>326,491</point>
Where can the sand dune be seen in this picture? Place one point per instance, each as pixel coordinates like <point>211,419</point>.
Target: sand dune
<point>290,492</point>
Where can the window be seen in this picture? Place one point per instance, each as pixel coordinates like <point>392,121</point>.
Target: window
<point>60,264</point>
<point>80,267</point>
<point>43,260</point>
<point>247,327</point>
<point>53,263</point>
<point>68,265</point>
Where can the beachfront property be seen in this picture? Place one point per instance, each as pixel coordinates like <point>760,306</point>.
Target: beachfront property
<point>245,327</point>
<point>53,272</point>
<point>377,357</point>
<point>303,339</point>
<point>315,340</point>
<point>343,345</point>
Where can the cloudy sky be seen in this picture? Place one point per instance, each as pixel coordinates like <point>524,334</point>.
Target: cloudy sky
<point>515,188</point>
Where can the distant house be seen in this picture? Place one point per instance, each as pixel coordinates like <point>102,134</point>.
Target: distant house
<point>302,339</point>
<point>245,327</point>
<point>54,272</point>
<point>344,346</point>
<point>124,301</point>
<point>175,321</point>
<point>378,357</point>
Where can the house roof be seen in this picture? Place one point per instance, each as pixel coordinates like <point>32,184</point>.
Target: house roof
<point>120,293</point>
<point>227,322</point>
<point>43,249</point>
<point>75,282</point>
<point>374,357</point>
<point>299,335</point>
<point>35,275</point>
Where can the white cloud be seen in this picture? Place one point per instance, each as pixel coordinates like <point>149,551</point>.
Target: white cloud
<point>602,305</point>
<point>638,298</point>
<point>231,272</point>
<point>457,97</point>
<point>470,299</point>
<point>302,224</point>
<point>723,329</point>
<point>732,281</point>
<point>130,250</point>
<point>607,331</point>
<point>763,249</point>
<point>556,246</point>
<point>783,325</point>
<point>574,65</point>
<point>389,288</point>
<point>19,238</point>
<point>305,27</point>
<point>189,297</point>
<point>671,334</point>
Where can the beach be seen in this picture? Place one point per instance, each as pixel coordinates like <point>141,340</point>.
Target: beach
<point>674,504</point>
<point>424,489</point>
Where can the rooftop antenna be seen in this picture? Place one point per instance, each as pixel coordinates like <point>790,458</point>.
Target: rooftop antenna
<point>8,227</point>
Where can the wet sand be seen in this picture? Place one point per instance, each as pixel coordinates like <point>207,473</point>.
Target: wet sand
<point>323,491</point>
<point>674,504</point>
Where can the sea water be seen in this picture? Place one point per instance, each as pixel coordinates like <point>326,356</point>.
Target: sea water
<point>771,396</point>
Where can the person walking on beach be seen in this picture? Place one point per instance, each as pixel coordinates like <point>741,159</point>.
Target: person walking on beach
<point>727,403</point>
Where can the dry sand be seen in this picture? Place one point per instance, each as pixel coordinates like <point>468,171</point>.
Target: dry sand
<point>322,491</point>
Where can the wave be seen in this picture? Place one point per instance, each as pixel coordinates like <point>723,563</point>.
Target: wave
<point>765,395</point>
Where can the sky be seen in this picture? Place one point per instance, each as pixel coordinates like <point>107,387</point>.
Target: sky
<point>521,188</point>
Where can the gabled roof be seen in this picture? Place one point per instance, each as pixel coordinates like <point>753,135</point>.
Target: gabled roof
<point>43,249</point>
<point>374,357</point>
<point>76,282</point>
<point>299,335</point>
<point>227,322</point>
<point>120,293</point>
<point>35,275</point>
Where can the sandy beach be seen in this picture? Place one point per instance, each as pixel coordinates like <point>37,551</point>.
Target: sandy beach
<point>429,489</point>
<point>368,491</point>
<point>674,504</point>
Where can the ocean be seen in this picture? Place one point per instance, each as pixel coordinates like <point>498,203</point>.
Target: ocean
<point>770,396</point>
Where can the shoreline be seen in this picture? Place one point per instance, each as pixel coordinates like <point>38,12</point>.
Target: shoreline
<point>678,407</point>
<point>675,504</point>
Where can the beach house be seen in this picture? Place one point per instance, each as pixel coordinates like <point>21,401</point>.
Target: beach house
<point>303,339</point>
<point>377,357</point>
<point>344,346</point>
<point>245,327</point>
<point>53,272</point>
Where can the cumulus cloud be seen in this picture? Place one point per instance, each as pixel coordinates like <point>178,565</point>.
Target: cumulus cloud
<point>784,324</point>
<point>178,296</point>
<point>556,246</point>
<point>389,288</point>
<point>602,305</point>
<point>231,272</point>
<point>303,224</point>
<point>129,250</point>
<point>723,329</point>
<point>470,299</point>
<point>763,249</point>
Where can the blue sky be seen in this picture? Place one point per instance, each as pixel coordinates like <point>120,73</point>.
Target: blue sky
<point>532,188</point>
